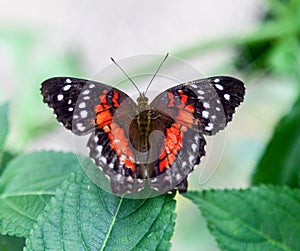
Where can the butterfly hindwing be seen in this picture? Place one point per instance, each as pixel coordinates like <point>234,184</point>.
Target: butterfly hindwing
<point>178,152</point>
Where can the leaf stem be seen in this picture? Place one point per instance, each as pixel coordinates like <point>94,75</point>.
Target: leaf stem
<point>112,224</point>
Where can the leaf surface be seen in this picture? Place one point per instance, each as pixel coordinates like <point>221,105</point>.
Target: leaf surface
<point>260,218</point>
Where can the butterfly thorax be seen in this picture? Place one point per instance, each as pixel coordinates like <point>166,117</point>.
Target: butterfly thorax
<point>141,126</point>
<point>143,104</point>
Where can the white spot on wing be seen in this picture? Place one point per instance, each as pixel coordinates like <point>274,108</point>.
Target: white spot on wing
<point>191,159</point>
<point>220,87</point>
<point>227,96</point>
<point>178,176</point>
<point>60,97</point>
<point>194,147</point>
<point>68,81</point>
<point>200,92</point>
<point>66,87</point>
<point>82,105</point>
<point>216,80</point>
<point>83,114</point>
<point>104,160</point>
<point>209,127</point>
<point>153,180</point>
<point>86,92</point>
<point>70,109</point>
<point>99,148</point>
<point>206,105</point>
<point>80,127</point>
<point>205,114</point>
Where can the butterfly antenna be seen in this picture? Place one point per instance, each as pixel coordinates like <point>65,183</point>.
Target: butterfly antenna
<point>154,75</point>
<point>126,74</point>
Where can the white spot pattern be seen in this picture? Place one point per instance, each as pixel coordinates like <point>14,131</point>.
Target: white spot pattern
<point>220,87</point>
<point>206,105</point>
<point>205,114</point>
<point>82,105</point>
<point>68,81</point>
<point>227,96</point>
<point>66,87</point>
<point>83,114</point>
<point>194,147</point>
<point>209,127</point>
<point>103,159</point>
<point>80,127</point>
<point>86,92</point>
<point>99,147</point>
<point>60,97</point>
<point>191,159</point>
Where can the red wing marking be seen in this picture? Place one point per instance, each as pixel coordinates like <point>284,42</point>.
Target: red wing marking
<point>102,110</point>
<point>171,146</point>
<point>185,114</point>
<point>174,135</point>
<point>117,139</point>
<point>120,145</point>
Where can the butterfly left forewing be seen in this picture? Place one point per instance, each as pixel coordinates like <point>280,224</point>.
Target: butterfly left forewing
<point>85,106</point>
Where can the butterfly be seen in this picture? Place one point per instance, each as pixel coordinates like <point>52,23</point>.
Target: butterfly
<point>135,143</point>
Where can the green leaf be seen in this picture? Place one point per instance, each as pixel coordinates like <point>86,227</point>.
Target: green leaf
<point>26,186</point>
<point>4,124</point>
<point>5,158</point>
<point>279,163</point>
<point>9,243</point>
<point>259,218</point>
<point>83,217</point>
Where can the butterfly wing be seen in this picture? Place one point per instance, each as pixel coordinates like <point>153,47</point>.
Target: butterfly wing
<point>85,106</point>
<point>198,107</point>
<point>213,101</point>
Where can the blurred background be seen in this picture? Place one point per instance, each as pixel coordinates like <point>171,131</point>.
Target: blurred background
<point>256,41</point>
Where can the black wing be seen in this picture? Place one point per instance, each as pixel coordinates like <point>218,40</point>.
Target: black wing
<point>85,106</point>
<point>198,107</point>
<point>213,99</point>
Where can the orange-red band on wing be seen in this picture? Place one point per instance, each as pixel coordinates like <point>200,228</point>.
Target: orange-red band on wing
<point>174,135</point>
<point>172,145</point>
<point>117,138</point>
<point>120,144</point>
<point>103,109</point>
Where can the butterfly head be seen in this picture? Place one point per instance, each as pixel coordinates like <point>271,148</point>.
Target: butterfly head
<point>142,101</point>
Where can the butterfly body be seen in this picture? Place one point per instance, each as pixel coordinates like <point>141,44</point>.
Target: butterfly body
<point>137,142</point>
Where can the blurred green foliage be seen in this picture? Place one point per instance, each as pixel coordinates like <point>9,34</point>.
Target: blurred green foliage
<point>276,44</point>
<point>22,46</point>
